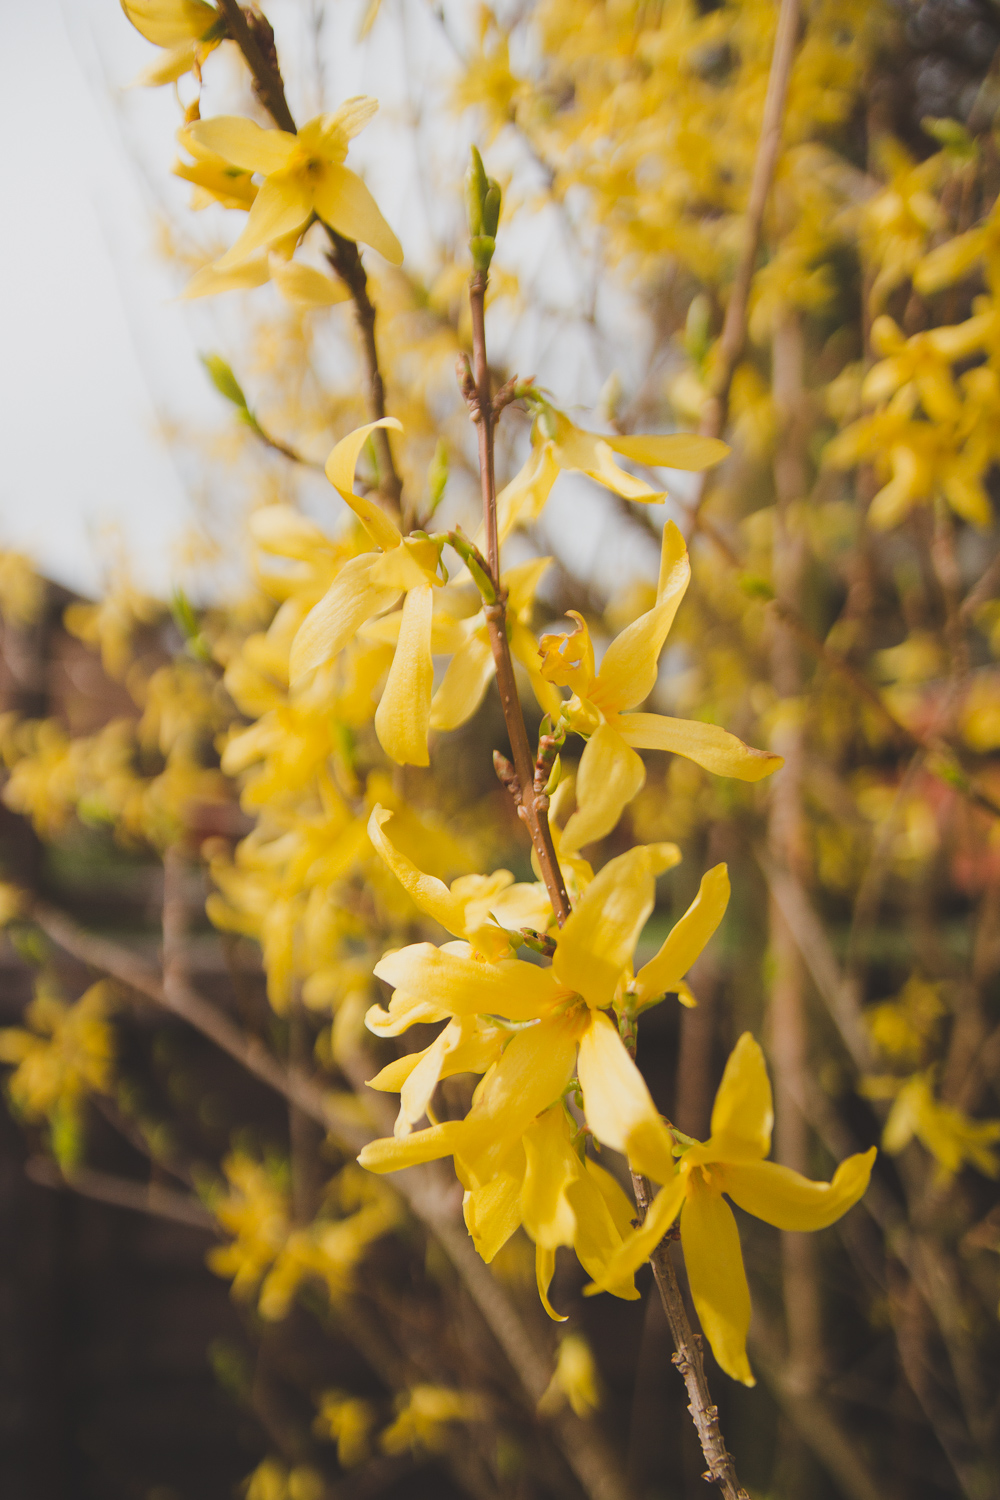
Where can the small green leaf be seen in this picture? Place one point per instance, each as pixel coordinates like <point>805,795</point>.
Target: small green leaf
<point>225,382</point>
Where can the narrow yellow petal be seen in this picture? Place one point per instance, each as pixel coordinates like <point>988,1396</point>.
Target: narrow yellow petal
<point>638,1246</point>
<point>592,456</point>
<point>342,201</point>
<point>521,583</point>
<point>208,282</point>
<point>390,1154</point>
<point>524,648</point>
<point>304,286</point>
<point>351,599</point>
<point>674,450</point>
<point>743,1111</point>
<point>340,468</point>
<point>551,1165</point>
<point>609,776</point>
<point>429,893</point>
<point>784,1198</point>
<point>686,939</point>
<point>532,1074</point>
<point>600,934</point>
<point>465,986</point>
<point>524,498</point>
<point>707,745</point>
<point>282,207</point>
<point>169,22</point>
<point>617,1102</point>
<point>493,1211</point>
<point>545,1267</point>
<point>244,143</point>
<point>947,263</point>
<point>718,1282</point>
<point>343,124</point>
<point>402,719</point>
<point>598,1236</point>
<point>629,669</point>
<point>168,67</point>
<point>464,683</point>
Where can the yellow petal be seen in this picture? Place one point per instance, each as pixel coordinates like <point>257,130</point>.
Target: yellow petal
<point>429,893</point>
<point>686,939</point>
<point>169,66</point>
<point>545,1266</point>
<point>404,1011</point>
<point>464,683</point>
<point>551,1165</point>
<point>610,775</point>
<point>716,1276</point>
<point>567,656</point>
<point>340,468</point>
<point>402,719</point>
<point>351,599</point>
<point>592,455</point>
<point>743,1111</point>
<point>950,261</point>
<point>390,1154</point>
<point>640,1244</point>
<point>304,286</point>
<point>493,1211</point>
<point>532,1074</point>
<point>244,143</point>
<point>675,450</point>
<point>784,1198</point>
<point>524,648</point>
<point>598,1236</point>
<point>629,669</point>
<point>524,498</point>
<point>456,982</point>
<point>169,22</point>
<point>707,745</point>
<point>617,1102</point>
<point>342,201</point>
<point>521,583</point>
<point>209,281</point>
<point>600,934</point>
<point>282,207</point>
<point>346,121</point>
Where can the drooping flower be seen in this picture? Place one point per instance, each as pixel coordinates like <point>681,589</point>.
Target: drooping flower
<point>532,1028</point>
<point>557,444</point>
<point>303,175</point>
<point>731,1164</point>
<point>611,773</point>
<point>187,30</point>
<point>368,585</point>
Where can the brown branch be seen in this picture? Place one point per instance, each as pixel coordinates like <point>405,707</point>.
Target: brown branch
<point>343,254</point>
<point>139,1197</point>
<point>734,328</point>
<point>533,809</point>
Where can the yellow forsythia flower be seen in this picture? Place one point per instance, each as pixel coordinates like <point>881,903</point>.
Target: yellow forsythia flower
<point>424,1415</point>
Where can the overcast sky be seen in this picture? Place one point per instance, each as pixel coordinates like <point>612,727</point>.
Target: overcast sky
<point>97,348</point>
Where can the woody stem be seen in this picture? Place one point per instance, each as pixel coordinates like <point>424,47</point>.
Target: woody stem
<point>256,42</point>
<point>532,806</point>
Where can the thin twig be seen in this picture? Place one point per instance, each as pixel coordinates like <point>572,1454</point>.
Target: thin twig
<point>139,1197</point>
<point>343,254</point>
<point>734,328</point>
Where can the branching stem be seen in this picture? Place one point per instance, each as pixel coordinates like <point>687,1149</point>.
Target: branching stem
<point>532,807</point>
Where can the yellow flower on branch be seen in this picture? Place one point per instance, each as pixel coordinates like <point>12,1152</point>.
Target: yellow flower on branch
<point>611,773</point>
<point>731,1164</point>
<point>424,1415</point>
<point>513,1151</point>
<point>366,586</point>
<point>187,30</point>
<point>303,175</point>
<point>557,444</point>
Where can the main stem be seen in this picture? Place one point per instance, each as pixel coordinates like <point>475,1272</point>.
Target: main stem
<point>533,809</point>
<point>532,806</point>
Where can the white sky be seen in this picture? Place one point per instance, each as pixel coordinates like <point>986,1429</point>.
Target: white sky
<point>96,348</point>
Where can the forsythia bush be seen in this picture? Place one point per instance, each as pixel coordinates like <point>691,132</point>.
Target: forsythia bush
<point>801,280</point>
